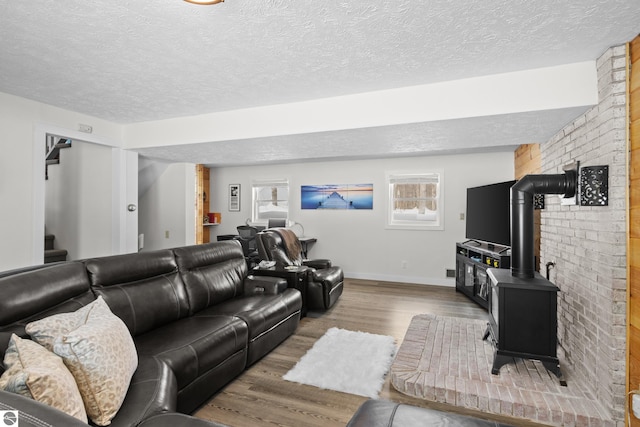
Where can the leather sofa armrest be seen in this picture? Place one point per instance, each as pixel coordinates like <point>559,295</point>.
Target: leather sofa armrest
<point>330,275</point>
<point>153,390</point>
<point>35,414</point>
<point>317,263</point>
<point>384,413</point>
<point>255,285</point>
<point>177,419</point>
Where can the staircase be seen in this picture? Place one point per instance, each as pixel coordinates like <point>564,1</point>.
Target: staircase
<point>51,254</point>
<point>54,145</point>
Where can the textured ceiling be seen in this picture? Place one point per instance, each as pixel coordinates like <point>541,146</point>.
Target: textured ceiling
<point>135,61</point>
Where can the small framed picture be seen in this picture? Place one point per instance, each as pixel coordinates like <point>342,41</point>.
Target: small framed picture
<point>234,197</point>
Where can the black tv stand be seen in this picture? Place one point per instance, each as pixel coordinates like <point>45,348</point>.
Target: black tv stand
<point>473,258</point>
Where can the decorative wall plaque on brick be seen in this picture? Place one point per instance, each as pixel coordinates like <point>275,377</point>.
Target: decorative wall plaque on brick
<point>594,186</point>
<point>538,201</point>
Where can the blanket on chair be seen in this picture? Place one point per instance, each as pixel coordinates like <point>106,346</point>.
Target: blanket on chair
<point>292,245</point>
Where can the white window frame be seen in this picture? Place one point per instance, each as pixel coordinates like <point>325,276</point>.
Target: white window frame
<point>436,223</point>
<point>258,184</point>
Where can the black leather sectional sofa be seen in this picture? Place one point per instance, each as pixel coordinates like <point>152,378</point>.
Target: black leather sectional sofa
<point>197,319</point>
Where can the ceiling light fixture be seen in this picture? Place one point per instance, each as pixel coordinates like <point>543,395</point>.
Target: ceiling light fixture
<point>204,2</point>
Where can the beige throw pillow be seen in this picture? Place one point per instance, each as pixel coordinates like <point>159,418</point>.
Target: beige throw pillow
<point>36,373</point>
<point>98,349</point>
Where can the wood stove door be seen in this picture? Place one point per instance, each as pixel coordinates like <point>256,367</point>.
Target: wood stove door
<point>530,326</point>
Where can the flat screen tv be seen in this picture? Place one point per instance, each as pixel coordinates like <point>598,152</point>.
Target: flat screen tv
<point>489,213</point>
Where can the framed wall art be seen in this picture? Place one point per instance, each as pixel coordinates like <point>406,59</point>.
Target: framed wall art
<point>234,197</point>
<point>337,196</point>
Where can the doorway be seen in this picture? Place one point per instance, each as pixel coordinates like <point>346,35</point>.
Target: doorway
<point>78,200</point>
<point>100,204</point>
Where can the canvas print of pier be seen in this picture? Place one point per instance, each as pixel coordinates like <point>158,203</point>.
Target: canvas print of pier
<point>337,196</point>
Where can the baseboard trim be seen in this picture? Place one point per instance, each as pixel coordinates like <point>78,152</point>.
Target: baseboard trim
<point>418,280</point>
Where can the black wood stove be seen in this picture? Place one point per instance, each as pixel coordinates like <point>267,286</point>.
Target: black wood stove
<point>523,304</point>
<point>523,321</point>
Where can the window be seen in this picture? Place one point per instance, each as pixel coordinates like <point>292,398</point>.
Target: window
<point>415,200</point>
<point>270,200</point>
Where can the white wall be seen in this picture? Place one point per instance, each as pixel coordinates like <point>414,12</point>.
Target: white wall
<point>358,240</point>
<point>78,201</point>
<point>366,250</point>
<point>169,206</point>
<point>22,172</point>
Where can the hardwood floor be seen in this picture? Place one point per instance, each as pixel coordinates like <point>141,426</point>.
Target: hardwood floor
<point>260,397</point>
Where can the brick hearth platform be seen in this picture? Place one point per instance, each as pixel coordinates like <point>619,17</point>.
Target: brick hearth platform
<point>444,359</point>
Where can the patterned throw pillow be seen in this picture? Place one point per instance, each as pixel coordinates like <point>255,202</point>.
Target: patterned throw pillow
<point>36,373</point>
<point>98,349</point>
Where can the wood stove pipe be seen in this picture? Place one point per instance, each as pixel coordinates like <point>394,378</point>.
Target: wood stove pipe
<point>522,192</point>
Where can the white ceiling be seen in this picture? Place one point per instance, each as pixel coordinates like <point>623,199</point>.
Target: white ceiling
<point>137,61</point>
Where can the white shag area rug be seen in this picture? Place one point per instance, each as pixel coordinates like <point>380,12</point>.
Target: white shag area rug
<point>346,361</point>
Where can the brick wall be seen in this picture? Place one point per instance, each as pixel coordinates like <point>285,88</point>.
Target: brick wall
<point>588,244</point>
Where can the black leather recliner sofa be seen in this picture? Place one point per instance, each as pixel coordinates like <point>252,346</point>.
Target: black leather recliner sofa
<point>197,319</point>
<point>324,281</point>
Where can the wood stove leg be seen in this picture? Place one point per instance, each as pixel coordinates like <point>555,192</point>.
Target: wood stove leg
<point>498,361</point>
<point>554,367</point>
<point>487,332</point>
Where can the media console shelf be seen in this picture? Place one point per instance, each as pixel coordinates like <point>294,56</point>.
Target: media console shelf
<point>472,261</point>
